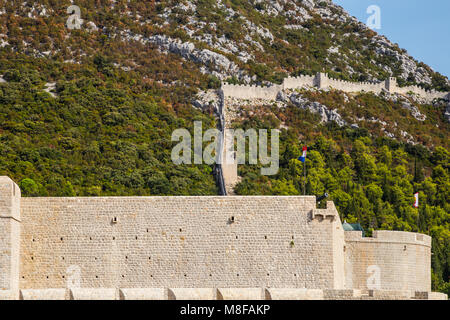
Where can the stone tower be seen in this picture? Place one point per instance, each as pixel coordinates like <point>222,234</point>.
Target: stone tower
<point>9,237</point>
<point>391,84</point>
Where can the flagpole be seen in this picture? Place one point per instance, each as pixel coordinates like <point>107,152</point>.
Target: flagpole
<point>304,180</point>
<point>415,166</point>
<point>302,158</point>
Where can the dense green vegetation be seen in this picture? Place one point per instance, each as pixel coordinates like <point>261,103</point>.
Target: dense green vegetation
<point>384,113</point>
<point>99,136</point>
<point>371,179</point>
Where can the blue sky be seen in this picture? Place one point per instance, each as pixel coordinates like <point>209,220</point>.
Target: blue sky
<point>421,27</point>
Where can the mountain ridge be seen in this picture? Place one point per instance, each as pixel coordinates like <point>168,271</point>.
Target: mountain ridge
<point>160,23</point>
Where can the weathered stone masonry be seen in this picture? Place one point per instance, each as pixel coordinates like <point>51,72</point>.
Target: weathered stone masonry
<point>229,174</point>
<point>196,247</point>
<point>323,81</point>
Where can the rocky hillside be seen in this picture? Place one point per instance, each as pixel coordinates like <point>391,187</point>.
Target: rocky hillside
<point>237,41</point>
<point>248,41</point>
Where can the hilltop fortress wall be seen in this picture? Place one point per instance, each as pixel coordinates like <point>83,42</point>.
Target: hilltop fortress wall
<point>323,81</point>
<point>427,95</point>
<point>251,92</point>
<point>175,247</point>
<point>299,82</point>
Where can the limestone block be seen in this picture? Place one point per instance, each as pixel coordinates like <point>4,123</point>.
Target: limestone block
<point>142,294</point>
<point>347,294</point>
<point>43,294</point>
<point>93,294</point>
<point>437,296</point>
<point>294,294</point>
<point>191,294</point>
<point>8,295</point>
<point>240,294</point>
<point>391,294</point>
<point>419,295</point>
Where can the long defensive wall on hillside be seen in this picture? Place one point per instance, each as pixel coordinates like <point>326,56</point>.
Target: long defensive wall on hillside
<point>323,81</point>
<point>199,247</point>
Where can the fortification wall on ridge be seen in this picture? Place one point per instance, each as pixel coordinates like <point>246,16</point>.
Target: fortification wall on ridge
<point>323,81</point>
<point>299,82</point>
<point>251,92</point>
<point>403,260</point>
<point>179,242</point>
<point>427,95</point>
<point>348,86</point>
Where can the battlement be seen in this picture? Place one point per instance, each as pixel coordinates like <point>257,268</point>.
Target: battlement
<point>324,81</point>
<point>330,213</point>
<point>298,82</point>
<point>250,91</point>
<point>428,95</point>
<point>390,237</point>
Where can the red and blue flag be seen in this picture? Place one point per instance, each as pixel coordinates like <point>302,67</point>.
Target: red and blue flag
<point>303,156</point>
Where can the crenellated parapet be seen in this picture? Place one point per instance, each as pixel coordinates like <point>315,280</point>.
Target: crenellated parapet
<point>330,213</point>
<point>389,236</point>
<point>323,81</point>
<point>299,82</point>
<point>251,91</point>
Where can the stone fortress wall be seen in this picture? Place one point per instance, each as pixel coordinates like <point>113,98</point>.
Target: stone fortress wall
<point>198,248</point>
<point>251,91</point>
<point>323,81</point>
<point>179,242</point>
<point>9,234</point>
